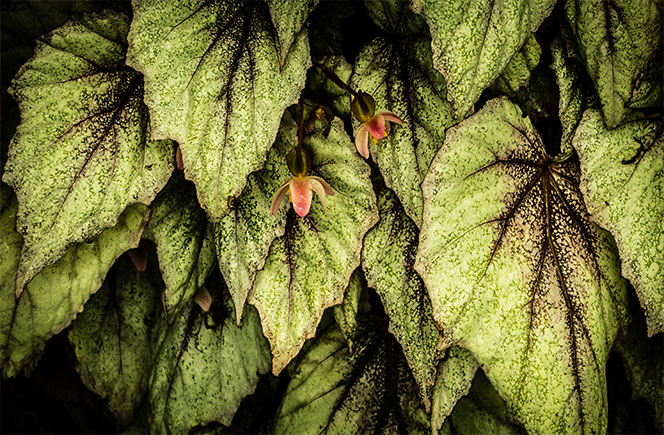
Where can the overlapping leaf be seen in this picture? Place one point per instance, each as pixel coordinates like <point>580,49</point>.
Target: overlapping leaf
<point>214,83</point>
<point>289,18</point>
<point>346,314</point>
<point>205,365</point>
<point>309,267</point>
<point>453,381</point>
<point>388,256</point>
<point>57,294</point>
<point>242,238</point>
<point>398,73</point>
<point>369,390</point>
<point>179,228</point>
<point>82,152</point>
<point>111,337</point>
<point>623,186</point>
<point>473,41</point>
<point>619,41</point>
<point>516,73</point>
<point>518,274</point>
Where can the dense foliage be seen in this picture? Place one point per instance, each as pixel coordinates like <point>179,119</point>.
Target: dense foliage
<point>484,251</point>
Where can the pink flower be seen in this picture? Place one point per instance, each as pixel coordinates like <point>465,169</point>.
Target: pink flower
<point>300,189</point>
<point>378,127</point>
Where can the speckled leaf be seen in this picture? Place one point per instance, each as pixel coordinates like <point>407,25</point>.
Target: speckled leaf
<point>369,390</point>
<point>51,301</point>
<point>205,365</point>
<point>214,84</point>
<point>483,411</point>
<point>472,41</point>
<point>571,99</point>
<point>289,18</point>
<point>242,238</point>
<point>388,256</point>
<point>346,313</point>
<point>622,180</point>
<point>398,73</point>
<point>185,248</point>
<point>517,72</point>
<point>10,252</point>
<point>111,337</point>
<point>81,153</point>
<point>454,378</point>
<point>518,274</point>
<point>309,267</point>
<point>618,40</point>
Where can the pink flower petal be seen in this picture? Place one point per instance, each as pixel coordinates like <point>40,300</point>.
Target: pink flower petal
<point>203,299</point>
<point>362,141</point>
<point>389,116</point>
<point>276,201</point>
<point>323,183</point>
<point>301,194</point>
<point>376,126</point>
<point>321,188</point>
<point>178,159</point>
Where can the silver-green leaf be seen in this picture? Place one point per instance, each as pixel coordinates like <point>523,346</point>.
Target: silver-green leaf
<point>289,18</point>
<point>204,365</point>
<point>619,40</point>
<point>82,151</point>
<point>388,256</point>
<point>214,84</point>
<point>112,335</point>
<point>622,180</point>
<point>473,41</point>
<point>51,301</point>
<point>516,73</point>
<point>185,248</point>
<point>309,267</point>
<point>399,74</point>
<point>517,272</point>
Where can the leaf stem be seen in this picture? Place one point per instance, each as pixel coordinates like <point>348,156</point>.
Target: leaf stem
<point>335,78</point>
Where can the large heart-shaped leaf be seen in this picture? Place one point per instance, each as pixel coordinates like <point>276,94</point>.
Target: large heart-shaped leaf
<point>397,71</point>
<point>309,267</point>
<point>179,228</point>
<point>51,301</point>
<point>518,274</point>
<point>214,84</point>
<point>243,237</point>
<point>622,182</point>
<point>205,365</point>
<point>111,337</point>
<point>369,390</point>
<point>81,153</point>
<point>472,41</point>
<point>619,41</point>
<point>387,259</point>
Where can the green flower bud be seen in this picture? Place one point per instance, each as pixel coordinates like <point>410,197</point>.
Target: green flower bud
<point>299,161</point>
<point>363,107</point>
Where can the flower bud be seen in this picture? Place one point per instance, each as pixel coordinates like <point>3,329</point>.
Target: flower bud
<point>363,107</point>
<point>299,161</point>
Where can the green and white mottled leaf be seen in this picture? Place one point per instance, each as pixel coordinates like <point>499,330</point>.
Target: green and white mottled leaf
<point>346,313</point>
<point>622,180</point>
<point>516,73</point>
<point>518,274</point>
<point>205,365</point>
<point>454,378</point>
<point>309,267</point>
<point>82,151</point>
<point>243,237</point>
<point>112,335</point>
<point>472,41</point>
<point>398,73</point>
<point>571,100</point>
<point>10,252</point>
<point>289,18</point>
<point>483,411</point>
<point>618,40</point>
<point>369,390</point>
<point>185,247</point>
<point>388,256</point>
<point>214,84</point>
<point>51,301</point>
